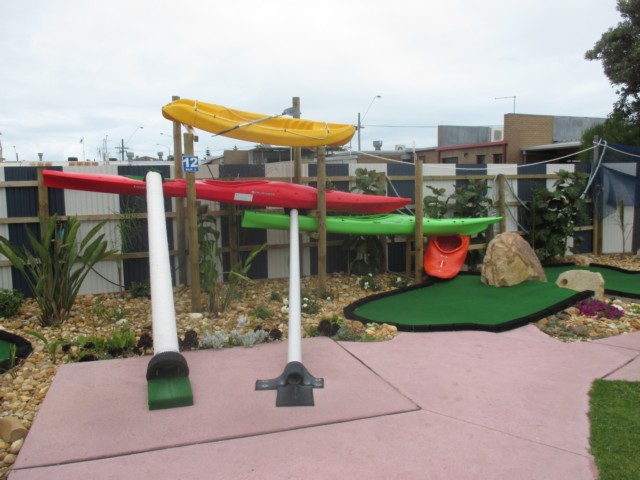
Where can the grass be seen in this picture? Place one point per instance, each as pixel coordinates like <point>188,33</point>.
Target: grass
<point>615,428</point>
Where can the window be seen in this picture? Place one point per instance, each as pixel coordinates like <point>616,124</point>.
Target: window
<point>450,160</point>
<point>497,158</point>
<point>481,159</point>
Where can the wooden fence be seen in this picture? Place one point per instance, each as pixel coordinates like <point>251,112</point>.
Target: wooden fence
<point>508,186</point>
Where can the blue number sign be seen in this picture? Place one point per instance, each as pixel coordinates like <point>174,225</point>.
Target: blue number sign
<point>190,163</point>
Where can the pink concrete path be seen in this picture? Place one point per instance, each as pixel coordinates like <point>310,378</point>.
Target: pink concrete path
<point>446,405</point>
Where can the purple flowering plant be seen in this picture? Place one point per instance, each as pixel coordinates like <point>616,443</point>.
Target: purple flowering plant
<point>595,308</point>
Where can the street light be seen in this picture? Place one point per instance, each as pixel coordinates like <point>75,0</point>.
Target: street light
<point>360,120</point>
<point>504,98</point>
<point>122,145</point>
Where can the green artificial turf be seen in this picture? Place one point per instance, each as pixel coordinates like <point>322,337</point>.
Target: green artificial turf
<point>615,428</point>
<point>464,302</point>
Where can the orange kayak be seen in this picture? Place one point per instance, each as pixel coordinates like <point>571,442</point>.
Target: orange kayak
<point>445,255</point>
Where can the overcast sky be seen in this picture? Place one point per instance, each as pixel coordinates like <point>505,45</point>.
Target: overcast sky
<point>98,70</point>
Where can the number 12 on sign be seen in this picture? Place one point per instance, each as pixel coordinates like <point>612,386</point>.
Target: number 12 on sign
<point>190,163</point>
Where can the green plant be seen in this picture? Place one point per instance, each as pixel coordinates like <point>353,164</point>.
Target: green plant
<point>57,264</point>
<point>50,346</point>
<point>208,237</point>
<point>369,282</point>
<point>131,231</point>
<point>398,282</point>
<point>367,252</point>
<point>308,303</point>
<point>261,312</point>
<point>435,206</point>
<point>275,296</point>
<point>553,215</point>
<point>219,296</point>
<point>368,182</point>
<point>140,290</point>
<point>470,199</point>
<point>9,365</point>
<point>10,301</point>
<point>103,313</point>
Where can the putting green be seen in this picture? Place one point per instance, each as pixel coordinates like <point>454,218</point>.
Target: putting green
<point>465,303</point>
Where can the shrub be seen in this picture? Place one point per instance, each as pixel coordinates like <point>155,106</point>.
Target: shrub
<point>56,264</point>
<point>552,216</point>
<point>10,301</point>
<point>140,290</point>
<point>369,282</point>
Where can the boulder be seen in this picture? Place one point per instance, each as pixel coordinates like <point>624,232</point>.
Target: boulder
<point>581,280</point>
<point>510,260</point>
<point>11,429</point>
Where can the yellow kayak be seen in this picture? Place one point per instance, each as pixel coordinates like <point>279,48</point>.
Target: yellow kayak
<point>255,127</point>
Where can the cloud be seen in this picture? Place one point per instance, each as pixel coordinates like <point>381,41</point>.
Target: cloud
<point>99,70</point>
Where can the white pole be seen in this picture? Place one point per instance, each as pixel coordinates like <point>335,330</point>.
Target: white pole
<point>165,334</point>
<point>294,337</point>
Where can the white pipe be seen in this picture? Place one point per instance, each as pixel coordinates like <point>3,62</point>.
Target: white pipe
<point>165,333</point>
<point>295,350</point>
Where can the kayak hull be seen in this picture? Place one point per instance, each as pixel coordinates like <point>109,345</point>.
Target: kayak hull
<point>385,224</point>
<point>257,193</point>
<point>271,130</point>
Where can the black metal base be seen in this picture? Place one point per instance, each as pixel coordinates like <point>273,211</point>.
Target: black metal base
<point>295,386</point>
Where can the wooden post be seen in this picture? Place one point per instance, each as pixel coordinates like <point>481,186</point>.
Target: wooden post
<point>180,220</point>
<point>297,151</point>
<point>322,221</point>
<point>43,197</point>
<point>192,221</point>
<point>597,223</point>
<point>419,212</point>
<point>233,234</point>
<point>382,183</point>
<point>502,203</point>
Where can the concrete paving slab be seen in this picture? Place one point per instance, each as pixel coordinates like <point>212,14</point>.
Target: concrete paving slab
<point>626,340</point>
<point>416,445</point>
<point>438,405</point>
<point>99,409</point>
<point>528,388</point>
<point>630,372</point>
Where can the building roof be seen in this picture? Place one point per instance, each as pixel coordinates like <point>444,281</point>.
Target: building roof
<point>552,146</point>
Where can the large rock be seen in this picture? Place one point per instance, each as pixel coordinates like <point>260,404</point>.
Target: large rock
<point>510,260</point>
<point>581,280</point>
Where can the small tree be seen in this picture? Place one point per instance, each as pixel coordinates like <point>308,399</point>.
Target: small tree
<point>57,264</point>
<point>619,51</point>
<point>553,215</point>
<point>367,250</point>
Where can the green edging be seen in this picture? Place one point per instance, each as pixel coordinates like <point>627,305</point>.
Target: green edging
<point>171,391</point>
<point>615,428</point>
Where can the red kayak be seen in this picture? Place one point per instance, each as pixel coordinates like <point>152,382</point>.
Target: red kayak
<point>259,193</point>
<point>445,255</point>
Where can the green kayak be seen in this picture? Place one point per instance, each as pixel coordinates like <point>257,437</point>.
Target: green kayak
<point>384,224</point>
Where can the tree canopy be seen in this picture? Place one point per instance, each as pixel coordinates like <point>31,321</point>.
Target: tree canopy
<point>619,51</point>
